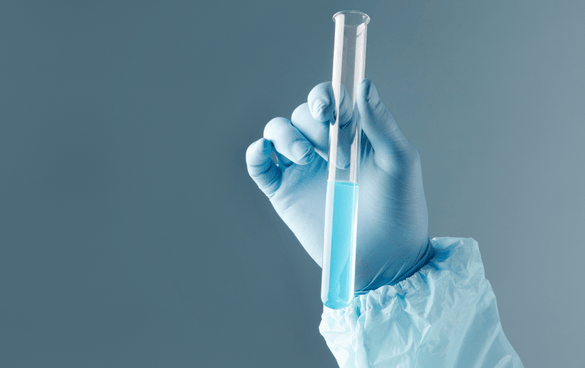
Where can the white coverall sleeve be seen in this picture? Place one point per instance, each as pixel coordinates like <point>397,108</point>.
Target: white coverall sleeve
<point>445,315</point>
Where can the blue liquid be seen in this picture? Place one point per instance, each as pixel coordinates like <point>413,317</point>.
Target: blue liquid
<point>338,280</point>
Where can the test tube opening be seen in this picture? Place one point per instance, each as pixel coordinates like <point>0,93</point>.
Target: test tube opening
<point>352,17</point>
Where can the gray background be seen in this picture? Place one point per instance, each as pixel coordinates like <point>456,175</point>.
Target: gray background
<point>131,236</point>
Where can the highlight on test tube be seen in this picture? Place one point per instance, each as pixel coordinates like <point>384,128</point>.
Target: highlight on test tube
<point>339,250</point>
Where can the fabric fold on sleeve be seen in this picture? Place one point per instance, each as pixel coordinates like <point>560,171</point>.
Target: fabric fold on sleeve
<point>444,315</point>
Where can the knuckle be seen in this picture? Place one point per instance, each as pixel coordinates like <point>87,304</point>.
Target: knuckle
<point>320,110</point>
<point>346,115</point>
<point>306,147</point>
<point>320,98</point>
<point>320,89</point>
<point>294,141</point>
<point>299,111</point>
<point>273,127</point>
<point>254,152</point>
<point>250,153</point>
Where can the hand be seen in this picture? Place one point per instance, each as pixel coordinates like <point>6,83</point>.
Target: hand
<point>392,232</point>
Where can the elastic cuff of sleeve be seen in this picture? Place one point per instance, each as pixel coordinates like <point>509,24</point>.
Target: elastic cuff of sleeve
<point>444,315</point>
<point>445,256</point>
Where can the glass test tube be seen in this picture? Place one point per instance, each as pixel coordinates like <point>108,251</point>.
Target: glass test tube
<point>349,61</point>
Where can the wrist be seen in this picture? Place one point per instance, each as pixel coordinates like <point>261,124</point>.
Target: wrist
<point>425,254</point>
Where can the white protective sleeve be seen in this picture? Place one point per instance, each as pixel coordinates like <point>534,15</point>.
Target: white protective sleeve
<point>445,315</point>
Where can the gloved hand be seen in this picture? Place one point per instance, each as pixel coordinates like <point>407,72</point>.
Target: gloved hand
<point>392,228</point>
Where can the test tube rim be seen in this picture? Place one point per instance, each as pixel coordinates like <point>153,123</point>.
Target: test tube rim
<point>365,17</point>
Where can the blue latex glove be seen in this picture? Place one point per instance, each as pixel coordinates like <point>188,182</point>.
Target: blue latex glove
<point>392,231</point>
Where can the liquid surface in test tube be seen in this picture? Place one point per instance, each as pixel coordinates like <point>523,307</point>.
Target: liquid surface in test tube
<point>341,271</point>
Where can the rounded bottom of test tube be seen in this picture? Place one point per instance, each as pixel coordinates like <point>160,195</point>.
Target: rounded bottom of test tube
<point>335,303</point>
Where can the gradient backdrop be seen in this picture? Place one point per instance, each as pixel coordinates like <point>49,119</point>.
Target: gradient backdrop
<point>131,235</point>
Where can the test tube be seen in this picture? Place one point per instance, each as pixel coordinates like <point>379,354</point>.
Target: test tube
<point>349,61</point>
